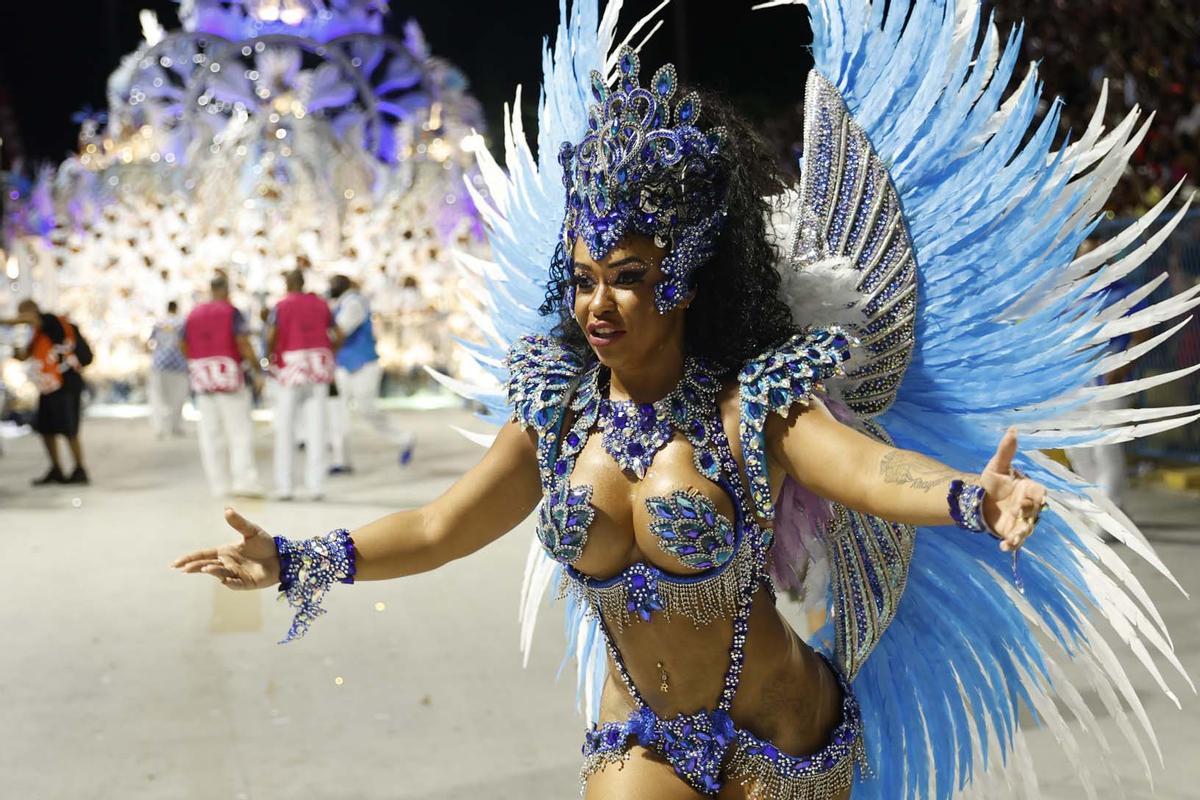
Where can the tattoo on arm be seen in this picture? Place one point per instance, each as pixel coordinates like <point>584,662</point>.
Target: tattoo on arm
<point>905,468</point>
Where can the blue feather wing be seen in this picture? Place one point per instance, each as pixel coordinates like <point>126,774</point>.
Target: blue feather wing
<point>1005,330</point>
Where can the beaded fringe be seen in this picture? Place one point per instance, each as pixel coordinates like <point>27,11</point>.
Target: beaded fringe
<point>702,602</point>
<point>598,761</point>
<point>763,781</point>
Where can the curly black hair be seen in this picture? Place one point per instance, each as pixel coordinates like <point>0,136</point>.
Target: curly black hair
<point>739,310</point>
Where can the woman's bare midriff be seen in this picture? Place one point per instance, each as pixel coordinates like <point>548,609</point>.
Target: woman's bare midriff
<point>787,694</point>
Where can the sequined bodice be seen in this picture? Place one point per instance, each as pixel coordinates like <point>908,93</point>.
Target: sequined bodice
<point>725,555</point>
<point>562,396</point>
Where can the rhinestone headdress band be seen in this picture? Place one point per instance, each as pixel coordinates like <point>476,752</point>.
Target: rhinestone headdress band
<point>644,167</point>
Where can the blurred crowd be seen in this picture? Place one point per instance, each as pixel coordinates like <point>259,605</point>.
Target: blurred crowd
<point>1149,50</point>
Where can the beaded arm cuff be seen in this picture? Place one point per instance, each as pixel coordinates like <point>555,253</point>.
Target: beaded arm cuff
<point>966,506</point>
<point>307,568</point>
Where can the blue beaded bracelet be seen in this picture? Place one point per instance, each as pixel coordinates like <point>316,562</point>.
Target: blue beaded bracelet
<point>307,568</point>
<point>966,506</point>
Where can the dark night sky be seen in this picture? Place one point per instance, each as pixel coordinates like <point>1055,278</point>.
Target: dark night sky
<point>56,56</point>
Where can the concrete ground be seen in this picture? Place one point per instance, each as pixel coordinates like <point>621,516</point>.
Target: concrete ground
<point>121,679</point>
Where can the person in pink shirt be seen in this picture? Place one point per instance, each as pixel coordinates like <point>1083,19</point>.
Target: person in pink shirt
<point>300,339</point>
<point>215,343</point>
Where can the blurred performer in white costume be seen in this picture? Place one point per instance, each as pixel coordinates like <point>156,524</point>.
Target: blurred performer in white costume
<point>358,376</point>
<point>300,339</point>
<point>217,347</point>
<point>168,380</point>
<point>1103,465</point>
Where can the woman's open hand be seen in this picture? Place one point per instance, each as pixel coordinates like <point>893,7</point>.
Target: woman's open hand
<point>251,562</point>
<point>1013,502</point>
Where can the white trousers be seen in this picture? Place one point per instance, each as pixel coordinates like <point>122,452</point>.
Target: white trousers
<point>358,390</point>
<point>1104,465</point>
<point>226,435</point>
<point>168,390</point>
<point>291,402</point>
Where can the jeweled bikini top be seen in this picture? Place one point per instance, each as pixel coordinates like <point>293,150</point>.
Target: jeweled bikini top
<point>546,380</point>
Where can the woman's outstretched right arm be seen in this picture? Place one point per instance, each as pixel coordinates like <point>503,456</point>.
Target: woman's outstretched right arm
<point>491,499</point>
<point>486,503</point>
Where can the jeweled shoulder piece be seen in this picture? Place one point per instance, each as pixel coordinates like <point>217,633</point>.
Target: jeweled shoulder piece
<point>540,373</point>
<point>643,166</point>
<point>774,382</point>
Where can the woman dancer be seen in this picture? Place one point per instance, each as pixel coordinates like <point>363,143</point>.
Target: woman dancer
<point>692,447</point>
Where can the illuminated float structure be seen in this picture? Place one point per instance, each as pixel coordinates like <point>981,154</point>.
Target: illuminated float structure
<point>262,135</point>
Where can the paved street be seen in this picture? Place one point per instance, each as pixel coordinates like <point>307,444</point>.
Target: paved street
<point>121,679</point>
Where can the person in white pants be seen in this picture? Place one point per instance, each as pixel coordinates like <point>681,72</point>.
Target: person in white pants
<point>226,434</point>
<point>217,347</point>
<point>358,377</point>
<point>167,383</point>
<point>306,404</point>
<point>1103,465</point>
<point>300,339</point>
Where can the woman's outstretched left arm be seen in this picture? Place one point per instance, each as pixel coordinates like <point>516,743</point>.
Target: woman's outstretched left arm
<point>844,465</point>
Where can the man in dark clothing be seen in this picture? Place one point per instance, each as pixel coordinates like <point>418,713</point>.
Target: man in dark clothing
<point>55,371</point>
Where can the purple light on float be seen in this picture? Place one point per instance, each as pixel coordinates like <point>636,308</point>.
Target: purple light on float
<point>319,20</point>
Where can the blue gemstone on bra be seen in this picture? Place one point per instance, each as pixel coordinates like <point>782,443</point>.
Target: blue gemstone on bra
<point>560,468</point>
<point>636,450</point>
<point>638,581</point>
<point>771,752</point>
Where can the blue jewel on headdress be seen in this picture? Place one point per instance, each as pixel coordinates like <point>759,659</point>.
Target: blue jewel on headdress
<point>636,172</point>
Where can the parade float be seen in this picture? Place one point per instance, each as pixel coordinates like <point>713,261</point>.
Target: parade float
<point>261,136</point>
